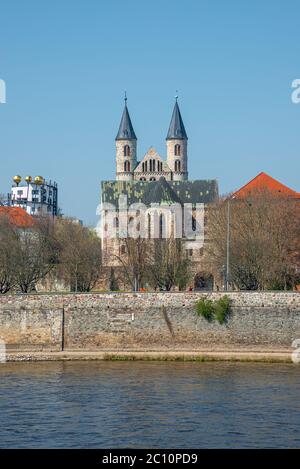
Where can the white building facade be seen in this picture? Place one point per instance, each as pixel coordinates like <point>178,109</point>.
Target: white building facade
<point>37,196</point>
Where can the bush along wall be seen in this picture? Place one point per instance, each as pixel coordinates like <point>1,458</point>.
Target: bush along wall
<point>214,310</point>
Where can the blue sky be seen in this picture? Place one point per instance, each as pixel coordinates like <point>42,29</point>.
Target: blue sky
<point>67,63</point>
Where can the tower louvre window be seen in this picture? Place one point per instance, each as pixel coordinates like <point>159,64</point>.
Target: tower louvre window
<point>177,150</point>
<point>126,150</point>
<point>126,166</point>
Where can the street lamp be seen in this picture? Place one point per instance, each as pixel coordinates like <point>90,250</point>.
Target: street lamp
<point>228,244</point>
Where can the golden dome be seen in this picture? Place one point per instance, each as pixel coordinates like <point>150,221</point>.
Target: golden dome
<point>17,179</point>
<point>28,179</point>
<point>39,180</point>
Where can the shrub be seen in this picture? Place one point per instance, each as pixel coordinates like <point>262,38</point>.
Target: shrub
<point>205,308</point>
<point>222,309</point>
<point>211,310</point>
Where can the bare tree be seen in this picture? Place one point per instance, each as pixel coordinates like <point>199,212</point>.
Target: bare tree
<point>8,258</point>
<point>264,235</point>
<point>79,256</point>
<point>170,265</point>
<point>35,253</point>
<point>135,258</point>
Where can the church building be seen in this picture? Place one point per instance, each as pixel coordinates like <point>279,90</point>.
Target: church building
<point>153,192</point>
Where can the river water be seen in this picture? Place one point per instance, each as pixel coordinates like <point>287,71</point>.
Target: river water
<point>149,404</point>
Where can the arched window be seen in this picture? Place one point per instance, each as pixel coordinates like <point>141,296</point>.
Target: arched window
<point>122,249</point>
<point>194,219</point>
<point>177,150</point>
<point>152,179</point>
<point>177,165</point>
<point>142,179</point>
<point>126,166</point>
<point>153,165</point>
<point>161,226</point>
<point>126,150</point>
<point>143,167</point>
<point>149,225</point>
<point>116,222</point>
<point>146,165</point>
<point>150,164</point>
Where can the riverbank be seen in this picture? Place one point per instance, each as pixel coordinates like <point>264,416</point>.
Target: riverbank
<point>266,356</point>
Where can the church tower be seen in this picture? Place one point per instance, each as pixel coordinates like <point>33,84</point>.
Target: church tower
<point>125,148</point>
<point>177,146</point>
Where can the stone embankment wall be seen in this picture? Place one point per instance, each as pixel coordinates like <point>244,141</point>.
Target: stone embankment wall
<point>139,321</point>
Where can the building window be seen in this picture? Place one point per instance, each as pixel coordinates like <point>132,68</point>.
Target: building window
<point>153,165</point>
<point>142,179</point>
<point>149,225</point>
<point>177,165</point>
<point>126,150</point>
<point>116,222</point>
<point>146,166</point>
<point>152,179</point>
<point>177,150</point>
<point>126,166</point>
<point>194,220</point>
<point>143,167</point>
<point>161,226</point>
<point>150,164</point>
<point>122,249</point>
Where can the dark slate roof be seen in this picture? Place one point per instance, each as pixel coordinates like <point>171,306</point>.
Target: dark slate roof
<point>147,192</point>
<point>126,131</point>
<point>160,193</point>
<point>176,129</point>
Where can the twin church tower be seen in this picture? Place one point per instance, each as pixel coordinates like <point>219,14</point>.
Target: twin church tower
<point>152,167</point>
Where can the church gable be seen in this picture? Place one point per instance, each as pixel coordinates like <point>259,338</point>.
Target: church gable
<point>152,165</point>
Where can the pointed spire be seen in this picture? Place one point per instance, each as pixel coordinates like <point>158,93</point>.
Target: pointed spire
<point>126,131</point>
<point>176,129</point>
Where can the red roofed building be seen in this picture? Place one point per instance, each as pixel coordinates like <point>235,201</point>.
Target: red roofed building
<point>263,182</point>
<point>17,216</point>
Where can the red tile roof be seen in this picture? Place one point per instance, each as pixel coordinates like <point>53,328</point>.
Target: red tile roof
<point>17,216</point>
<point>264,182</point>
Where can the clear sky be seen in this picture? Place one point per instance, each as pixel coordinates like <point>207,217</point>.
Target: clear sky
<point>67,63</point>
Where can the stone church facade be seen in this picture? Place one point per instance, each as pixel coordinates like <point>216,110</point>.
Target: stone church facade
<point>153,197</point>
